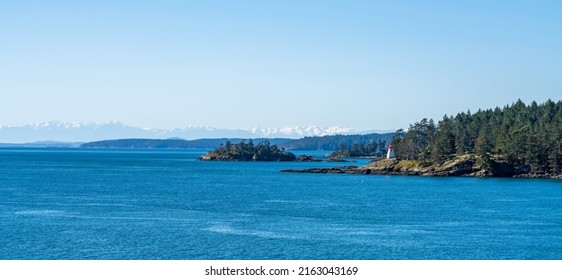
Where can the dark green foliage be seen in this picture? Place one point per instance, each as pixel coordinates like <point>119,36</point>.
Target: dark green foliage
<point>360,150</point>
<point>136,143</point>
<point>332,142</point>
<point>247,151</point>
<point>526,135</point>
<point>483,143</point>
<point>444,145</point>
<point>410,145</point>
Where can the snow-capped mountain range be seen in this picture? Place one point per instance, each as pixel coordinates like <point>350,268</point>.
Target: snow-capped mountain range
<point>85,132</point>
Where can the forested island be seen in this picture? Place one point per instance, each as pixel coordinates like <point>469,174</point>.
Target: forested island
<point>371,149</point>
<point>247,151</point>
<point>514,141</point>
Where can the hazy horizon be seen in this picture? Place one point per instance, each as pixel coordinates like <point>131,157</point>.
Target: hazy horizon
<point>87,132</point>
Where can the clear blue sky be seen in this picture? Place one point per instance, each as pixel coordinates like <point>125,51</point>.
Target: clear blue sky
<point>239,64</point>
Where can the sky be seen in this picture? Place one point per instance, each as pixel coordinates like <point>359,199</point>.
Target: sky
<point>239,64</point>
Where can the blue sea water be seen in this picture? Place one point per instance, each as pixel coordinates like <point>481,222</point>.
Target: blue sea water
<point>163,204</point>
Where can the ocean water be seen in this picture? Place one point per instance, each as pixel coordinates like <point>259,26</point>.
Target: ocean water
<point>163,204</point>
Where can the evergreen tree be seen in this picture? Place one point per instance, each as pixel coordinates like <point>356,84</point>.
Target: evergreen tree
<point>444,145</point>
<point>522,134</point>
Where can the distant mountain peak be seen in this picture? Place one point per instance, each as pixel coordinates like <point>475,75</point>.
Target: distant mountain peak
<point>68,125</point>
<point>301,131</point>
<point>93,131</point>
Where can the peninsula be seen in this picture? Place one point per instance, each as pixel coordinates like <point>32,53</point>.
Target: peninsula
<point>515,141</point>
<point>247,151</point>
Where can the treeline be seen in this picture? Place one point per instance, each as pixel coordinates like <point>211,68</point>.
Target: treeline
<point>139,143</point>
<point>136,143</point>
<point>247,151</point>
<point>334,142</point>
<point>329,143</point>
<point>373,149</point>
<point>521,135</point>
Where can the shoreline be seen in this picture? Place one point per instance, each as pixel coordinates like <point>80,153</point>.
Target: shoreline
<point>464,166</point>
<point>369,171</point>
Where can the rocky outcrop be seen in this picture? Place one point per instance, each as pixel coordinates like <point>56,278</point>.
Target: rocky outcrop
<point>539,175</point>
<point>466,165</point>
<point>340,170</point>
<point>307,158</point>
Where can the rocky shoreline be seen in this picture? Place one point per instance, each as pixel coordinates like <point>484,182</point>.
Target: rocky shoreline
<point>464,167</point>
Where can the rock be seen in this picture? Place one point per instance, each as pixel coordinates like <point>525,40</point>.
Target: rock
<point>307,158</point>
<point>464,165</point>
<point>341,169</point>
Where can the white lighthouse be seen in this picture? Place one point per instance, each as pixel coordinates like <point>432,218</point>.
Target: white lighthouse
<point>390,153</point>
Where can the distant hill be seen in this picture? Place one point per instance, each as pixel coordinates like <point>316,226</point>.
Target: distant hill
<point>42,144</point>
<point>141,143</point>
<point>242,151</point>
<point>333,142</point>
<point>306,143</point>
